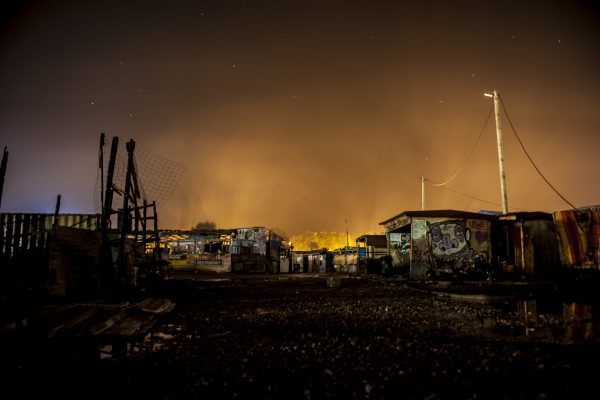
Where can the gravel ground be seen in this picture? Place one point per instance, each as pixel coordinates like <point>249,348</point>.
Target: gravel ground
<point>274,337</point>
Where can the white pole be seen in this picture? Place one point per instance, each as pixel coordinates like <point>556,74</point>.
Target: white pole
<point>422,193</point>
<point>347,242</point>
<point>500,153</point>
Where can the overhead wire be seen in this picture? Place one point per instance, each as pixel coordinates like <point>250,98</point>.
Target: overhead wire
<point>531,160</point>
<point>478,199</point>
<point>459,169</point>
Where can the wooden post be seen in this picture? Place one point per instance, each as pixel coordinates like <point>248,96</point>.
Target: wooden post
<point>125,217</point>
<point>8,239</point>
<point>156,237</point>
<point>25,242</point>
<point>3,172</point>
<point>135,195</point>
<point>143,220</point>
<point>108,195</point>
<point>16,245</point>
<point>56,211</point>
<point>101,167</point>
<point>106,258</point>
<point>3,219</point>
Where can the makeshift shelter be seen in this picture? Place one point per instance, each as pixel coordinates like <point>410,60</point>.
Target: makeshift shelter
<point>579,236</point>
<point>441,242</point>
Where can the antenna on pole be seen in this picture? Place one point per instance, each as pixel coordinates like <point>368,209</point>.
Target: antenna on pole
<point>496,97</point>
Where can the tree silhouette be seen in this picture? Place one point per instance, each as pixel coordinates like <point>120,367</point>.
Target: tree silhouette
<point>205,226</point>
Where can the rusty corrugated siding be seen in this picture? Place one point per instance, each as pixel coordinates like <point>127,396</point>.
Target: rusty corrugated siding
<point>579,235</point>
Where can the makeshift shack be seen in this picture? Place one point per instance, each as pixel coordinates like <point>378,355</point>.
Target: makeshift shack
<point>442,243</point>
<point>524,244</point>
<point>579,237</point>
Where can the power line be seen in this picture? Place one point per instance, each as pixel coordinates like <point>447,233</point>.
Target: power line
<point>478,199</point>
<point>531,160</point>
<point>470,153</point>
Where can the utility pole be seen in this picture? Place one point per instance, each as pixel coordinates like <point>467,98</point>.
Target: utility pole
<point>347,241</point>
<point>500,150</point>
<point>346,250</point>
<point>422,193</point>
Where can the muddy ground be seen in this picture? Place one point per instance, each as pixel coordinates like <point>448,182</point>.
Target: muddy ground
<point>273,337</point>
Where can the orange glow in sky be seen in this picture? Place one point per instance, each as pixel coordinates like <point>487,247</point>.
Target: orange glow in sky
<point>300,114</point>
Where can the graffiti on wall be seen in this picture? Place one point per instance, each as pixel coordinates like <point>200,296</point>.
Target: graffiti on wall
<point>400,249</point>
<point>457,245</point>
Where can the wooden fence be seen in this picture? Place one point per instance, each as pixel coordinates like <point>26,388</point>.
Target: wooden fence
<point>29,233</point>
<point>25,247</point>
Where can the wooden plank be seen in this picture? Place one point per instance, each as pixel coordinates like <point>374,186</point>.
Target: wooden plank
<point>35,232</point>
<point>3,218</point>
<point>106,324</point>
<point>43,238</point>
<point>155,306</point>
<point>26,232</point>
<point>66,326</point>
<point>9,238</point>
<point>18,227</point>
<point>133,325</point>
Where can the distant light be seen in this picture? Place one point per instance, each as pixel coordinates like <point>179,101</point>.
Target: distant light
<point>488,95</point>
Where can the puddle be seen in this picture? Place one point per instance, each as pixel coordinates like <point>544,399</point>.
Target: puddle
<point>150,343</point>
<point>546,320</point>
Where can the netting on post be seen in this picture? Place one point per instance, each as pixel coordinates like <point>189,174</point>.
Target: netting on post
<point>157,175</point>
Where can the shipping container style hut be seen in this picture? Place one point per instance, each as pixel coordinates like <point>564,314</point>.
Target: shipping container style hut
<point>372,246</point>
<point>439,243</point>
<point>299,261</point>
<point>579,236</point>
<point>524,244</point>
<point>346,260</point>
<point>364,258</point>
<point>285,257</point>
<point>313,261</point>
<point>371,250</point>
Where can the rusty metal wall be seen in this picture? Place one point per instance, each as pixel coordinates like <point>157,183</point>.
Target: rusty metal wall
<point>579,237</point>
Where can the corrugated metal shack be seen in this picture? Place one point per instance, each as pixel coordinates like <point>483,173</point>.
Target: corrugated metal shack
<point>371,249</point>
<point>364,258</point>
<point>454,244</point>
<point>313,261</point>
<point>525,244</point>
<point>346,259</point>
<point>579,236</point>
<point>443,243</point>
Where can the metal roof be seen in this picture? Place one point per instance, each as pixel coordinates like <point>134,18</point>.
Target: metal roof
<point>440,214</point>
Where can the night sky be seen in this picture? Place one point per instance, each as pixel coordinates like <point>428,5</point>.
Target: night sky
<point>297,114</point>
